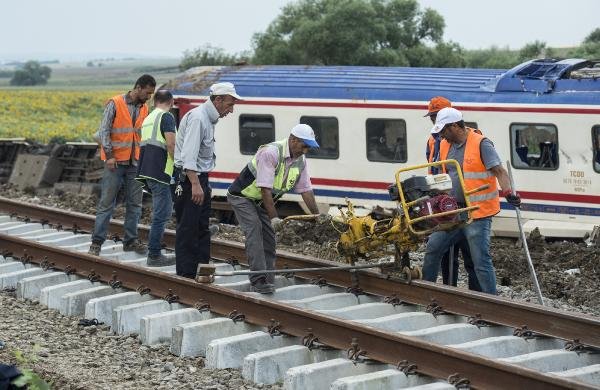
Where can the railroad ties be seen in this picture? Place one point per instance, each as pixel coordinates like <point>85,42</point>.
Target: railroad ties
<point>266,353</point>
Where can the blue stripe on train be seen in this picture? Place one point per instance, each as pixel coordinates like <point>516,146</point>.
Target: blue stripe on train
<point>534,207</point>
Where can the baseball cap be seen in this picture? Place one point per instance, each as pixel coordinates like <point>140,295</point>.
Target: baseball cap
<point>444,117</point>
<point>306,134</point>
<point>224,89</point>
<point>436,104</point>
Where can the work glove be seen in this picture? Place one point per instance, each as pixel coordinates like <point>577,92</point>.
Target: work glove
<point>514,200</point>
<point>277,223</point>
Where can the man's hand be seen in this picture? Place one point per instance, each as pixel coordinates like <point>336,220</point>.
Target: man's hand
<point>197,194</point>
<point>514,200</point>
<point>111,163</point>
<point>277,223</point>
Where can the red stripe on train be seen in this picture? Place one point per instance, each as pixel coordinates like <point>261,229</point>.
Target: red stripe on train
<point>373,185</point>
<point>551,110</point>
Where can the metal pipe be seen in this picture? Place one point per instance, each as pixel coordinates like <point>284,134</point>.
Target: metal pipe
<point>536,285</point>
<point>314,269</point>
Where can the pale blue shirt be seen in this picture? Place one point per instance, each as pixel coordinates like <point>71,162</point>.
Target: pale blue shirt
<point>195,141</point>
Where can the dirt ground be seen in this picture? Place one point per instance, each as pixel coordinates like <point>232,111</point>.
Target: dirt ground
<point>568,271</point>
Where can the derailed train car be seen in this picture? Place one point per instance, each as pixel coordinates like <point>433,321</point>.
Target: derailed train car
<point>542,115</point>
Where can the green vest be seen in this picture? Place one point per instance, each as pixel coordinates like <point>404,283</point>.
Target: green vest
<point>155,162</point>
<point>281,184</point>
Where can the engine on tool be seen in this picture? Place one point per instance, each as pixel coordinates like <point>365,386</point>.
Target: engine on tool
<point>428,195</point>
<point>426,206</point>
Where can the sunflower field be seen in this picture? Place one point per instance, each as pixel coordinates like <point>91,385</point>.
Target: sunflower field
<point>51,115</point>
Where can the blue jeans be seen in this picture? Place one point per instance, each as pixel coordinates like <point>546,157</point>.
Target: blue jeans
<point>477,234</point>
<point>162,209</point>
<point>111,183</point>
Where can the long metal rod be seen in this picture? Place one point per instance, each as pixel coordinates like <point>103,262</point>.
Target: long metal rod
<point>534,278</point>
<point>314,269</point>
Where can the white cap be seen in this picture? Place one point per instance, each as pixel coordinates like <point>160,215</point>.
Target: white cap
<point>444,117</point>
<point>224,89</point>
<point>306,134</point>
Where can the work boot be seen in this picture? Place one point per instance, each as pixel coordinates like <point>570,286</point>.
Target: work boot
<point>135,246</point>
<point>263,288</point>
<point>95,249</point>
<point>159,260</point>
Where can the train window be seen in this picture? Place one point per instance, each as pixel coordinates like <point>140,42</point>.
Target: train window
<point>255,130</point>
<point>327,136</point>
<point>596,147</point>
<point>386,140</point>
<point>534,146</point>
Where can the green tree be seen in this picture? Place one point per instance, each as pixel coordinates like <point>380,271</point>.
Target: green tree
<point>32,73</point>
<point>354,32</point>
<point>589,48</point>
<point>208,55</point>
<point>593,37</point>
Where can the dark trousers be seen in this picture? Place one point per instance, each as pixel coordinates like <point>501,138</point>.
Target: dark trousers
<point>463,245</point>
<point>192,239</point>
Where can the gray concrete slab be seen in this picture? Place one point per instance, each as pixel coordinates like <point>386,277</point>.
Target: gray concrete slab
<point>31,288</point>
<point>126,318</point>
<point>158,328</point>
<point>589,374</point>
<point>4,218</point>
<point>12,266</point>
<point>320,376</point>
<point>101,308</point>
<point>191,339</point>
<point>298,291</point>
<point>327,301</point>
<point>458,333</point>
<point>369,311</point>
<point>507,346</point>
<point>385,379</point>
<point>50,296</point>
<point>10,279</point>
<point>75,239</point>
<point>25,234</point>
<point>52,235</point>
<point>73,303</point>
<point>553,360</point>
<point>6,226</point>
<point>411,321</point>
<point>270,366</point>
<point>24,228</point>
<point>229,352</point>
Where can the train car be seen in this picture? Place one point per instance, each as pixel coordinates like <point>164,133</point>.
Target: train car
<point>543,117</point>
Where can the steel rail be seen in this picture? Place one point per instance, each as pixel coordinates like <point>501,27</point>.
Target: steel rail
<point>544,321</point>
<point>392,348</point>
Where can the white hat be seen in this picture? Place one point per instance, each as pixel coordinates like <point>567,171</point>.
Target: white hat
<point>306,134</point>
<point>444,117</point>
<point>224,89</point>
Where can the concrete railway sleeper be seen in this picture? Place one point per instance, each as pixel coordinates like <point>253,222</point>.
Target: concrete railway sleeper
<point>306,335</point>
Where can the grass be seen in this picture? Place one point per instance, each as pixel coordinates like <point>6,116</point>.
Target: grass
<point>70,106</point>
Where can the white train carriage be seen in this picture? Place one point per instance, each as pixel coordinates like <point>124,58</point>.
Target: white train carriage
<point>543,116</point>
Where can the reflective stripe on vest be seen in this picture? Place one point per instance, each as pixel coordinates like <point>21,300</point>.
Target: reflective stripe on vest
<point>125,135</point>
<point>281,183</point>
<point>475,175</point>
<point>156,163</point>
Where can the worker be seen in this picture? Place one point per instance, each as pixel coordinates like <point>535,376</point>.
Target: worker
<point>433,154</point>
<point>481,165</point>
<point>119,136</point>
<point>194,159</point>
<point>277,168</point>
<point>155,170</point>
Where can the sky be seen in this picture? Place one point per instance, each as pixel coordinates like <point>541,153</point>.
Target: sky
<point>76,29</point>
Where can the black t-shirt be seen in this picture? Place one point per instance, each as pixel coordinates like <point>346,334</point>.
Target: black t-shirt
<point>167,124</point>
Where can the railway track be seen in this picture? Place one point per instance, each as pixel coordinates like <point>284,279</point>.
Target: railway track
<point>431,331</point>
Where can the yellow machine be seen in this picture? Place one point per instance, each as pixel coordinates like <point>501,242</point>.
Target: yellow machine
<point>424,206</point>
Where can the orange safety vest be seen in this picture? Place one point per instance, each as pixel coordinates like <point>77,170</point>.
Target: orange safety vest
<point>475,175</point>
<point>443,144</point>
<point>124,135</point>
